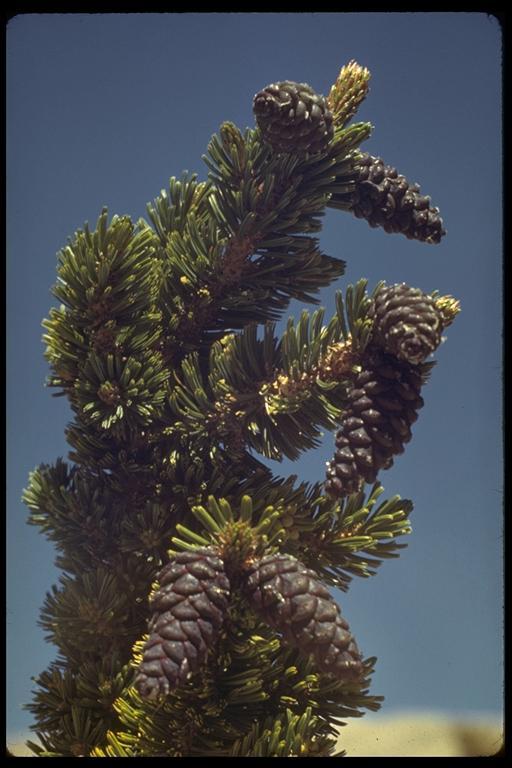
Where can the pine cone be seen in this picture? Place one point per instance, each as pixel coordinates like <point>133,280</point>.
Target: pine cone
<point>348,92</point>
<point>406,322</point>
<point>290,599</point>
<point>448,307</point>
<point>293,118</point>
<point>386,199</point>
<point>382,406</point>
<point>189,609</point>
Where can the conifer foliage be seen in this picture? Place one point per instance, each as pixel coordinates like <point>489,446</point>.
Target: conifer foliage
<point>193,616</point>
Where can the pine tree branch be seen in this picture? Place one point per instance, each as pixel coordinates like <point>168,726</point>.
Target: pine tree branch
<point>272,395</point>
<point>259,255</point>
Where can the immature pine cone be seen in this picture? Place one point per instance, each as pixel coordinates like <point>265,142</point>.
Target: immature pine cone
<point>383,404</point>
<point>189,609</point>
<point>293,118</point>
<point>348,92</point>
<point>406,322</point>
<point>386,199</point>
<point>291,599</point>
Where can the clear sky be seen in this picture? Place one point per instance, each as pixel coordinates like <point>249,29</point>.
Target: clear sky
<point>103,108</point>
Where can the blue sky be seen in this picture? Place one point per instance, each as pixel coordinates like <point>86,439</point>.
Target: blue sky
<point>103,109</point>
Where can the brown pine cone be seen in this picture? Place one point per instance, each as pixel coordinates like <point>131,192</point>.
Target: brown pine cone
<point>383,404</point>
<point>293,118</point>
<point>386,199</point>
<point>291,599</point>
<point>406,322</point>
<point>189,609</point>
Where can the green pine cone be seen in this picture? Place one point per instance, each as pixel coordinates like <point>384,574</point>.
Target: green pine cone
<point>406,322</point>
<point>348,92</point>
<point>291,599</point>
<point>382,405</point>
<point>293,118</point>
<point>188,613</point>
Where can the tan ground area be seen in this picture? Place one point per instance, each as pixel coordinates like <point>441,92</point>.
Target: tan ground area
<point>418,735</point>
<point>429,735</point>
